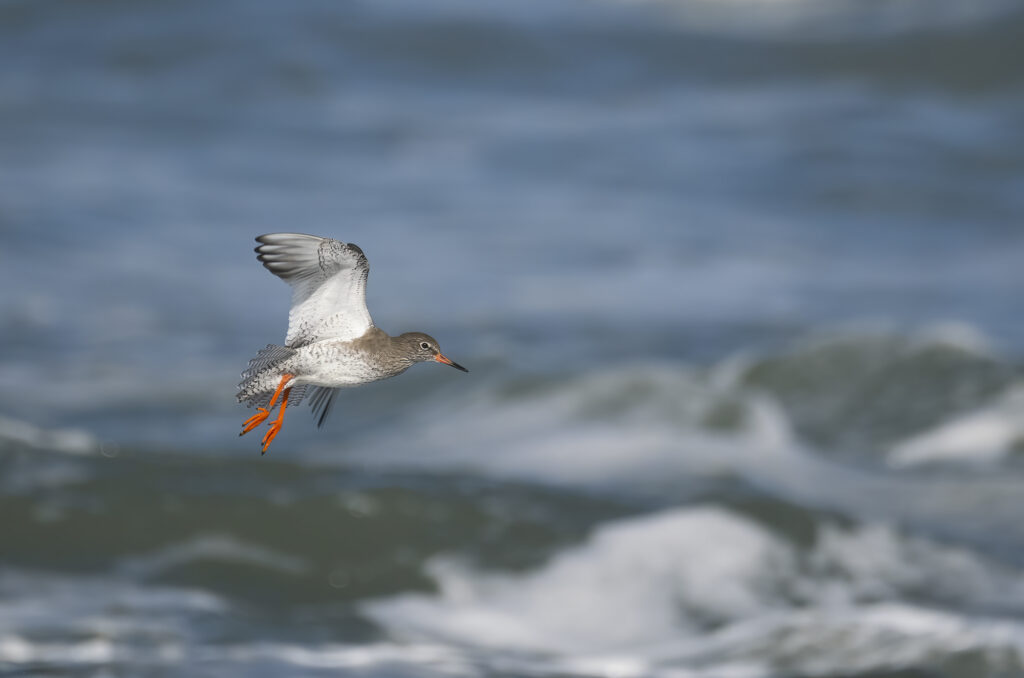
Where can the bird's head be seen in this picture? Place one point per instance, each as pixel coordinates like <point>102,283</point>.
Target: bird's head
<point>423,347</point>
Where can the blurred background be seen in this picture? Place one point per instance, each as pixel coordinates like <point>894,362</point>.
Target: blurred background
<point>738,284</point>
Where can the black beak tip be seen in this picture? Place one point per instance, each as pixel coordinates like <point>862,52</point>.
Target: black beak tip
<point>445,360</point>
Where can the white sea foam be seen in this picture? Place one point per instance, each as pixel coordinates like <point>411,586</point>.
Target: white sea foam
<point>18,650</point>
<point>73,620</point>
<point>636,582</point>
<point>32,601</point>
<point>70,441</point>
<point>422,657</point>
<point>984,436</point>
<point>689,593</point>
<point>215,547</point>
<point>688,588</point>
<point>427,660</point>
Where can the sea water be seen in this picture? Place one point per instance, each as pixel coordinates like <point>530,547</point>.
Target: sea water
<point>738,284</point>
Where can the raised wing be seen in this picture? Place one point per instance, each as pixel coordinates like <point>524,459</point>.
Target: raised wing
<point>328,280</point>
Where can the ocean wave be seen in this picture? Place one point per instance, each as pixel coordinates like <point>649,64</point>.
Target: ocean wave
<point>854,394</point>
<point>848,397</point>
<point>636,424</point>
<point>375,659</point>
<point>83,620</point>
<point>69,441</point>
<point>831,18</point>
<point>36,458</point>
<point>699,591</point>
<point>212,547</point>
<point>811,426</point>
<point>690,587</point>
<point>983,437</point>
<point>15,649</point>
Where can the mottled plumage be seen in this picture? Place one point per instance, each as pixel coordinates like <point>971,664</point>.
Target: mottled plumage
<point>331,341</point>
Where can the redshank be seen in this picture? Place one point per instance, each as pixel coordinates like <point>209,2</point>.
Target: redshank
<point>332,342</point>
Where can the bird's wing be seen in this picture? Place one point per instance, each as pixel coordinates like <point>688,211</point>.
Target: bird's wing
<point>328,280</point>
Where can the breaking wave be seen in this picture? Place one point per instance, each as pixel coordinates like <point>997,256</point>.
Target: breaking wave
<point>703,587</point>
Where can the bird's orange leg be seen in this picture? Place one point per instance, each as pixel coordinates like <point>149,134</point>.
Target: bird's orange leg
<point>262,413</point>
<point>275,426</point>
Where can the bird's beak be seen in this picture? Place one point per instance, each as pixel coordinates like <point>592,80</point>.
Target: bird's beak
<point>441,359</point>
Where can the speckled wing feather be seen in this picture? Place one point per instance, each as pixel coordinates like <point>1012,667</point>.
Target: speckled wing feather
<point>328,280</point>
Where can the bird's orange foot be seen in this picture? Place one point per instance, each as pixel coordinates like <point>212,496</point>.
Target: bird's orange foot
<point>275,427</point>
<point>255,420</point>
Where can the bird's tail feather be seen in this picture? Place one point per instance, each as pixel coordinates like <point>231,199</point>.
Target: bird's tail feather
<point>261,377</point>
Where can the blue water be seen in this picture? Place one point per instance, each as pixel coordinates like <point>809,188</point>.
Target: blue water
<point>738,284</point>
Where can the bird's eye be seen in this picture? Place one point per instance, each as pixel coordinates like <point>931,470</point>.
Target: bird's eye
<point>424,345</point>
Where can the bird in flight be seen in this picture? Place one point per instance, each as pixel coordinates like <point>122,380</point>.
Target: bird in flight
<point>332,342</point>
